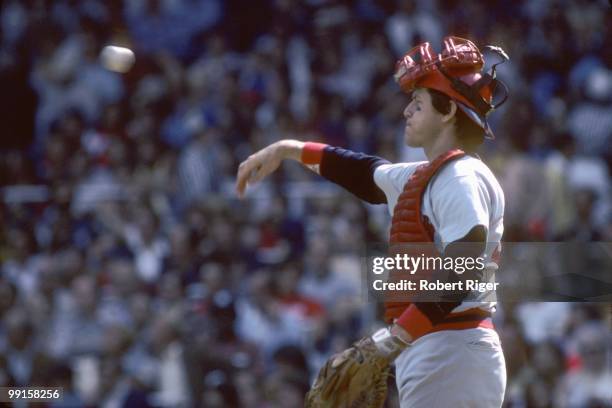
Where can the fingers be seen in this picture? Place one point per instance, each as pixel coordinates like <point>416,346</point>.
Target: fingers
<point>244,172</point>
<point>259,173</point>
<point>253,170</point>
<point>257,166</point>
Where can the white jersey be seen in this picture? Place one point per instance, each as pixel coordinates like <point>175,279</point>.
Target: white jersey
<point>464,193</point>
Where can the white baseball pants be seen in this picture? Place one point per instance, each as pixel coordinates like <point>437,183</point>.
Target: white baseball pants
<point>452,368</point>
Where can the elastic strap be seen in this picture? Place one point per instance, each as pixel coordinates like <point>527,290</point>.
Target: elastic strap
<point>312,153</point>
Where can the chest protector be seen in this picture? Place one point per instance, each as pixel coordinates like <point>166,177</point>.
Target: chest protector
<point>409,225</point>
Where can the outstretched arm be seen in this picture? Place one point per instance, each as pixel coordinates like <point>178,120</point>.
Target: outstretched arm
<point>353,171</point>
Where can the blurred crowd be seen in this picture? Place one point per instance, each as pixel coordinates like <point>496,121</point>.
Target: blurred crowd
<point>130,273</point>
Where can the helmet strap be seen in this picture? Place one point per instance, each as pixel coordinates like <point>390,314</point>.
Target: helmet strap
<point>470,92</point>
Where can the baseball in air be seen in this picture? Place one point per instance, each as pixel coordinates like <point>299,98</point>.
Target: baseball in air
<point>117,59</point>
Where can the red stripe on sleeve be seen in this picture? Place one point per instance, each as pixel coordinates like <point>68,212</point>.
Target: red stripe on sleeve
<point>312,153</point>
<point>414,322</point>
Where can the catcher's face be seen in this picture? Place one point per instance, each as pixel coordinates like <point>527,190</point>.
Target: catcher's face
<point>423,121</point>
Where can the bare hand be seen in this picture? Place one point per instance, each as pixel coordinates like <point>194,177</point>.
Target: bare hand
<point>261,164</point>
<point>256,167</point>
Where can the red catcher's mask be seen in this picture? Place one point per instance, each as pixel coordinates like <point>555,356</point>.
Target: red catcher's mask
<point>457,73</point>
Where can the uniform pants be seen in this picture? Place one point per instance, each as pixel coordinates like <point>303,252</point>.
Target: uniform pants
<point>452,368</point>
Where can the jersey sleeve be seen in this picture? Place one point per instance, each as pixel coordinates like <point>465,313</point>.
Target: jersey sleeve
<point>459,204</point>
<point>391,178</point>
<point>353,171</point>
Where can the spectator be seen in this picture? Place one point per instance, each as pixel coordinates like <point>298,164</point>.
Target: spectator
<point>589,384</point>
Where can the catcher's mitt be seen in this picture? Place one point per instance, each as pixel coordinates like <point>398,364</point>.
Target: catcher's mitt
<point>357,377</point>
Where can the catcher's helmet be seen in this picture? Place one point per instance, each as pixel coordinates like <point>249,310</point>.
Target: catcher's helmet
<point>456,72</point>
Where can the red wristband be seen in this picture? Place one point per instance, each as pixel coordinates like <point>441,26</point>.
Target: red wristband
<point>414,322</point>
<point>312,152</point>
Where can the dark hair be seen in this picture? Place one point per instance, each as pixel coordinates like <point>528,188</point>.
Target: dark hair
<point>469,134</point>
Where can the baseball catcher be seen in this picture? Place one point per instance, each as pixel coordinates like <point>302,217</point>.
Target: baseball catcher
<point>445,349</point>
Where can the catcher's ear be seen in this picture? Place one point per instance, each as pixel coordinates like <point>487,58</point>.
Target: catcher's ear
<point>451,113</point>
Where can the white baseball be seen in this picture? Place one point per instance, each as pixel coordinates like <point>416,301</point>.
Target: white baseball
<point>117,59</point>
